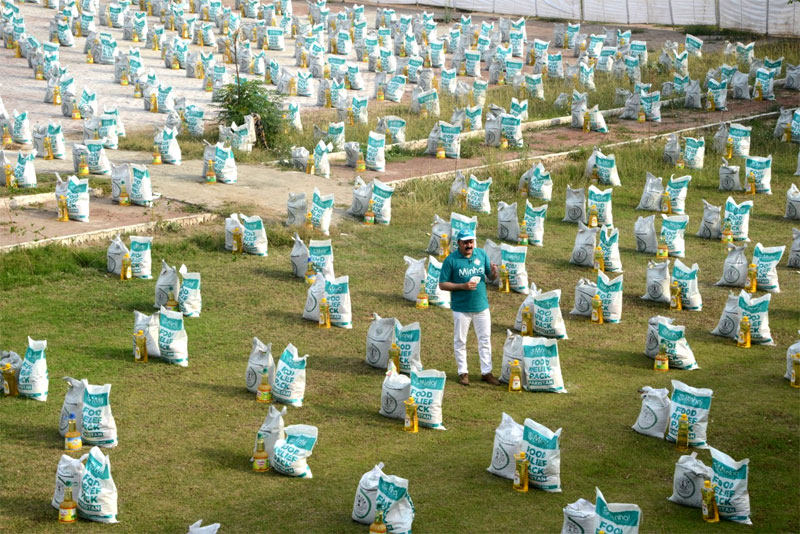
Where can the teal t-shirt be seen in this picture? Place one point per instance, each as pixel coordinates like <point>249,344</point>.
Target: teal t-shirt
<point>458,269</point>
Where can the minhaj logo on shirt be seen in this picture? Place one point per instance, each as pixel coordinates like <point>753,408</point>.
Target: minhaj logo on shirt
<point>470,272</point>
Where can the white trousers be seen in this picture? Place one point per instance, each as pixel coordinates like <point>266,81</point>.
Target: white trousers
<point>482,322</point>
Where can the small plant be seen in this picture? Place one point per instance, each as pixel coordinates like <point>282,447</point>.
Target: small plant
<point>237,100</point>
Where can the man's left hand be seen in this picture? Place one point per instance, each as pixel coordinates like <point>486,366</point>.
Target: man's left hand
<point>493,271</point>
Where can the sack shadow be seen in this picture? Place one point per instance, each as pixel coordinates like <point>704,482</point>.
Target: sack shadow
<point>34,434</point>
<point>33,508</point>
<point>234,392</point>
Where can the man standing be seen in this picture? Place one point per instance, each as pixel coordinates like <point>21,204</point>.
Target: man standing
<point>464,274</point>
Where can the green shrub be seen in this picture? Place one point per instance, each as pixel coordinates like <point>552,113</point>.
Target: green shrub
<point>237,100</point>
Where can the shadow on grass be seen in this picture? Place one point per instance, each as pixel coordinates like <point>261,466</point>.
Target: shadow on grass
<point>224,458</point>
<point>40,435</point>
<point>234,392</point>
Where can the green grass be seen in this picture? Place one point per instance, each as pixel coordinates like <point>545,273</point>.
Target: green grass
<point>46,183</point>
<point>728,33</point>
<point>186,434</point>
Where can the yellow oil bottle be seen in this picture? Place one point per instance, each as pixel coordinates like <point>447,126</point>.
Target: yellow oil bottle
<point>63,211</point>
<point>593,216</point>
<point>156,154</point>
<point>76,112</point>
<point>171,304</point>
<point>515,377</point>
<point>10,388</point>
<point>422,297</point>
<point>309,224</point>
<point>597,310</point>
<point>72,439</point>
<point>369,215</point>
<point>378,526</point>
<point>324,314</point>
<point>587,123</point>
<point>752,279</point>
<point>264,393</point>
<point>751,183</point>
<point>744,335</point>
<point>444,248</point>
<point>238,241</point>
<point>682,441</point>
<point>440,152</point>
<point>68,508</point>
<point>729,148</point>
<point>709,503</point>
<point>140,347</point>
<point>527,322</point>
<point>153,103</point>
<point>394,355</point>
<point>311,273</point>
<point>661,363</point>
<point>599,262</point>
<point>125,272</point>
<point>361,164</point>
<point>124,197</point>
<point>56,95</point>
<point>260,457</point>
<point>211,174</point>
<point>520,473</point>
<point>462,200</point>
<point>310,164</point>
<point>662,252</point>
<point>675,297</point>
<point>411,422</point>
<point>505,286</point>
<point>523,238</point>
<point>666,203</point>
<point>727,233</point>
<point>48,148</point>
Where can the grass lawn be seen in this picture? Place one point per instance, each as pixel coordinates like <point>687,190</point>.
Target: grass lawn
<point>195,426</point>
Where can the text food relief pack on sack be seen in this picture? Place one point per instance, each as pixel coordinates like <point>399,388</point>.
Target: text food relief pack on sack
<point>32,379</point>
<point>696,404</point>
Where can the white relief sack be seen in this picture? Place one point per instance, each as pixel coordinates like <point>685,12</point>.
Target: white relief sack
<point>337,292</point>
<point>296,208</point>
<point>609,245</point>
<point>601,198</point>
<point>585,290</point>
<point>658,282</point>
<point>364,505</point>
<point>189,297</point>
<point>539,183</point>
<point>673,228</point>
<point>148,324</point>
<point>290,456</point>
<point>616,517</point>
<point>690,475</point>
<point>738,215</point>
<point>728,324</point>
<point>167,281</point>
<point>507,443</point>
<point>543,444</point>
<point>766,260</point>
<point>436,296</point>
<point>427,389</point>
<point>98,495</point>
<point>299,256</point>
<point>382,201</point>
<point>678,188</point>
<point>512,350</point>
<point>734,268</point>
<point>761,169</point>
<point>694,151</point>
<point>380,336</point>
<point>394,392</point>
<point>673,338</point>
<point>695,403</point>
<point>172,338</point>
<point>198,528</point>
<point>710,225</point>
<point>320,252</point>
<point>507,222</point>
<point>644,231</point>
<point>547,318</point>
<point>687,281</point>
<point>69,470</point>
<point>651,194</point>
<point>794,251</point>
<point>793,200</point>
<point>575,209</point>
<point>730,481</point>
<point>316,292</point>
<point>97,423</point>
<point>579,517</point>
<point>254,237</point>
<point>408,339</point>
<point>362,192</point>
<point>652,420</point>
<point>534,223</point>
<point>478,194</point>
<point>414,277</point>
<point>32,378</point>
<point>116,251</point>
<point>289,383</point>
<point>514,257</point>
<point>73,404</point>
<point>322,211</point>
<point>585,243</point>
<point>76,193</point>
<point>541,365</point>
<point>394,499</point>
<point>729,177</point>
<point>757,310</point>
<point>740,135</point>
<point>260,358</point>
<point>610,292</point>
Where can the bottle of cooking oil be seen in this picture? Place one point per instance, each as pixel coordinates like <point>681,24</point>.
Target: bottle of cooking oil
<point>68,508</point>
<point>238,241</point>
<point>515,377</point>
<point>139,347</point>
<point>504,280</point>
<point>503,142</point>
<point>310,164</point>
<point>56,95</point>
<point>727,233</point>
<point>378,526</point>
<point>641,116</point>
<point>597,309</point>
<point>324,314</point>
<point>521,473</point>
<point>211,173</point>
<point>462,200</point>
<point>682,441</point>
<point>83,166</point>
<point>171,304</point>
<point>595,177</point>
<point>444,248</point>
<point>394,355</point>
<point>9,381</point>
<point>309,224</point>
<point>260,457</point>
<point>711,105</point>
<point>523,238</point>
<point>124,197</point>
<point>666,203</point>
<point>440,151</point>
<point>524,189</point>
<point>72,439</point>
<point>527,321</point>
<point>369,215</point>
<point>662,252</point>
<point>743,338</point>
<point>6,137</point>
<point>593,218</point>
<point>680,163</point>
<point>751,183</point>
<point>380,94</point>
<point>709,503</point>
<point>587,123</point>
<point>787,133</point>
<point>326,71</point>
<point>156,154</point>
<point>311,273</point>
<point>729,148</point>
<point>126,272</point>
<point>795,377</point>
<point>48,147</point>
<point>411,423</point>
<point>675,297</point>
<point>264,393</point>
<point>422,297</point>
<point>752,279</point>
<point>661,362</point>
<point>599,264</point>
<point>153,103</point>
<point>759,92</point>
<point>63,210</point>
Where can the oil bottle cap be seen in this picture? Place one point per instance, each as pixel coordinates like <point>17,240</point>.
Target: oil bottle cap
<point>410,399</point>
<point>72,417</point>
<point>707,483</point>
<point>260,436</point>
<point>140,332</point>
<point>752,265</point>
<point>265,370</point>
<point>684,416</point>
<point>515,362</point>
